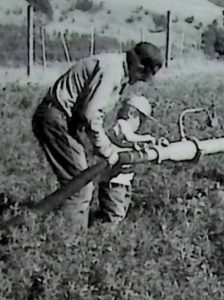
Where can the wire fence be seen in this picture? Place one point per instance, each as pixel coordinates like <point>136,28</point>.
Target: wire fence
<point>13,45</point>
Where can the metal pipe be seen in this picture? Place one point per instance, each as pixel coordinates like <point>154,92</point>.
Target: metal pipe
<point>176,151</point>
<point>185,150</point>
<point>212,146</point>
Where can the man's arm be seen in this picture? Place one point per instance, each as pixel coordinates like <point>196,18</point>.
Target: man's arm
<point>94,113</point>
<point>101,141</point>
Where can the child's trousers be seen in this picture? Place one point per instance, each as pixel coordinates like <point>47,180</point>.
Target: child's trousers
<point>114,201</point>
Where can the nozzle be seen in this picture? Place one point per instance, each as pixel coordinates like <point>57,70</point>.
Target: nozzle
<point>213,120</point>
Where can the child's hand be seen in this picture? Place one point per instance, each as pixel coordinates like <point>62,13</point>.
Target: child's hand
<point>136,147</point>
<point>153,140</point>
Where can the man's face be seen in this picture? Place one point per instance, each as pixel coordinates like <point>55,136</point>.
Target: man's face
<point>141,73</point>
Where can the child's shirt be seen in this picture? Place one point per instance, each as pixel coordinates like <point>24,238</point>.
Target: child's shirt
<point>120,130</point>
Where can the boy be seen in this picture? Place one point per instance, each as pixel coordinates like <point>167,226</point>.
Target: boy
<point>115,195</point>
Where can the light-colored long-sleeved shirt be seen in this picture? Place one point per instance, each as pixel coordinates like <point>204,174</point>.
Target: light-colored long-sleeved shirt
<point>88,90</point>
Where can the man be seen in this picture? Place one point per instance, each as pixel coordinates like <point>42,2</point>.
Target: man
<point>77,103</point>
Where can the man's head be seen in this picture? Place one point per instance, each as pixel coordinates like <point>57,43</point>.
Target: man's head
<point>144,61</point>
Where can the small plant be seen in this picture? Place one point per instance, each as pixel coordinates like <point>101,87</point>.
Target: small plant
<point>212,40</point>
<point>108,11</point>
<point>8,12</point>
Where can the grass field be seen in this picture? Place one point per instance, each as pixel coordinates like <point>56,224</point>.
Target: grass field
<point>164,250</point>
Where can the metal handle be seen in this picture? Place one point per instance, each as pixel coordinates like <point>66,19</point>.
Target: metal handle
<point>212,121</point>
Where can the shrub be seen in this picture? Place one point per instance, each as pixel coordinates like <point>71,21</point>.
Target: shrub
<point>87,5</point>
<point>218,2</point>
<point>159,20</point>
<point>213,40</point>
<point>84,5</point>
<point>138,9</point>
<point>189,20</point>
<point>219,43</point>
<point>42,6</point>
<point>130,19</point>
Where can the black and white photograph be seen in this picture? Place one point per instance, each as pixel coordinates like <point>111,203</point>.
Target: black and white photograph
<point>111,150</point>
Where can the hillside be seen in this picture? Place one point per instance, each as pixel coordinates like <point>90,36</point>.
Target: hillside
<point>122,20</point>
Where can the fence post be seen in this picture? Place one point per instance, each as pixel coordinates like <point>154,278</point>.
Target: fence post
<point>182,41</point>
<point>30,40</point>
<point>200,41</point>
<point>141,34</point>
<point>65,47</point>
<point>167,54</point>
<point>119,39</point>
<point>34,38</point>
<point>43,43</point>
<point>92,45</point>
<point>223,18</point>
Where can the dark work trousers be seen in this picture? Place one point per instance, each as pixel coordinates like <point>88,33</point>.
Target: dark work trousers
<point>66,156</point>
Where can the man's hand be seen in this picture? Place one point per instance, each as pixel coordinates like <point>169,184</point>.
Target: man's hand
<point>150,139</point>
<point>113,158</point>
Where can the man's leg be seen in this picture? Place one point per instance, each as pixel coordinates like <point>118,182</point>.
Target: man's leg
<point>67,158</point>
<point>114,201</point>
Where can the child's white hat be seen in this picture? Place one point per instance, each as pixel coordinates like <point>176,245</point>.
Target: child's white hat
<point>141,104</point>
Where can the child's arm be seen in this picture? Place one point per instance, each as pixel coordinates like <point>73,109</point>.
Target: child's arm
<point>140,138</point>
<point>134,137</point>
